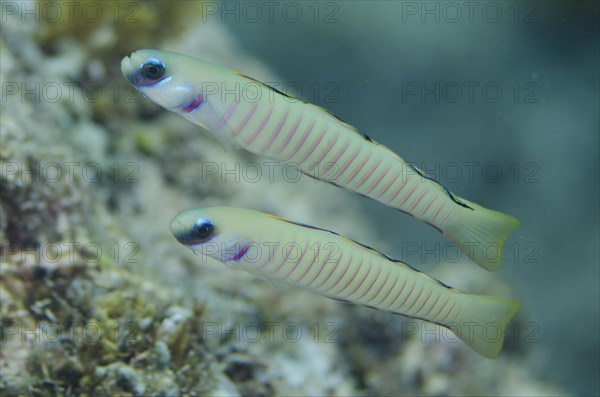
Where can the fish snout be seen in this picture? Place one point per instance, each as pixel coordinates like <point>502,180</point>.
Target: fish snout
<point>129,70</point>
<point>178,231</point>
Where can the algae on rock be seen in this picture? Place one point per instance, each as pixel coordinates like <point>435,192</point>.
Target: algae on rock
<point>99,299</point>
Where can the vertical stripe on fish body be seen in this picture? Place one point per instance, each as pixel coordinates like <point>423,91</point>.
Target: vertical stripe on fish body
<point>245,113</point>
<point>339,268</point>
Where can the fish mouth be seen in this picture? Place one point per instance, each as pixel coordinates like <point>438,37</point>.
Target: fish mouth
<point>129,70</point>
<point>193,104</point>
<point>178,231</point>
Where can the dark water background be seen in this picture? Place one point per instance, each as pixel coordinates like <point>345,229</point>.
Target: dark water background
<point>512,124</point>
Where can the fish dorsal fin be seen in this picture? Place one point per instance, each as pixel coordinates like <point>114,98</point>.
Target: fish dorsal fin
<point>448,193</point>
<point>260,83</point>
<point>306,226</point>
<point>343,123</point>
<point>319,108</point>
<point>338,120</point>
<point>366,247</point>
<point>361,245</point>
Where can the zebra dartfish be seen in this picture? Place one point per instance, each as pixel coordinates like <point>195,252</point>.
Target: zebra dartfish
<point>322,261</point>
<point>273,124</point>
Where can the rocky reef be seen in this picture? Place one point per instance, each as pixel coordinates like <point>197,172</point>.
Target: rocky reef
<point>99,299</point>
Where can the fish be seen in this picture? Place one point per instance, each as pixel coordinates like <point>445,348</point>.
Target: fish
<point>297,255</point>
<point>242,112</point>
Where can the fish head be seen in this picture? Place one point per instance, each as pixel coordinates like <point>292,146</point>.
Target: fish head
<point>212,232</point>
<point>164,77</point>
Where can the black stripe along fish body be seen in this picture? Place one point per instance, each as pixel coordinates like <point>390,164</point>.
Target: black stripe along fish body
<point>336,267</point>
<point>322,146</point>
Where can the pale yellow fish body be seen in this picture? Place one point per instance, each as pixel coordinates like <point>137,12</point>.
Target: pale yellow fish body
<point>244,113</point>
<point>339,268</point>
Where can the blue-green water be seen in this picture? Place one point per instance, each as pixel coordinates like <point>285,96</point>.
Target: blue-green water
<point>499,101</point>
<point>503,108</point>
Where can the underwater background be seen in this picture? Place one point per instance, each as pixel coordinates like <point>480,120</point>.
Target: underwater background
<point>497,100</point>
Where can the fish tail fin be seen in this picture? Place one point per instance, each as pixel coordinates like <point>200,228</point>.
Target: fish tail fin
<point>482,322</point>
<point>481,234</point>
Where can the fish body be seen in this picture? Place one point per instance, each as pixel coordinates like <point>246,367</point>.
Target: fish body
<point>331,265</point>
<point>245,113</point>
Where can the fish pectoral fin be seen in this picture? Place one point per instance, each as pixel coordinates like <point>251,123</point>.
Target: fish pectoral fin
<point>275,283</point>
<point>211,120</point>
<point>344,301</point>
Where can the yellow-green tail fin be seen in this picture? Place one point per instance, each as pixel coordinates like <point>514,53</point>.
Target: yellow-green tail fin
<point>481,234</point>
<point>482,322</point>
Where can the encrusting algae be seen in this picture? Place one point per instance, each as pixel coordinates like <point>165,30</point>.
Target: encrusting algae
<point>138,316</point>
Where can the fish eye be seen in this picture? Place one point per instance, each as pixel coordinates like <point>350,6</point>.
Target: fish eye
<point>201,230</point>
<point>153,69</point>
